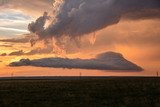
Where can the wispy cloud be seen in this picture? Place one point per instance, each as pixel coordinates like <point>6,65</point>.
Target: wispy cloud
<point>12,14</point>
<point>13,22</point>
<point>13,29</point>
<point>33,8</point>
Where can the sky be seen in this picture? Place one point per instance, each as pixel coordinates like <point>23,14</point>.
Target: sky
<point>79,29</point>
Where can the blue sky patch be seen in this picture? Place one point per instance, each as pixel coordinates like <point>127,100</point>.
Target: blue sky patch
<point>13,22</point>
<point>13,15</point>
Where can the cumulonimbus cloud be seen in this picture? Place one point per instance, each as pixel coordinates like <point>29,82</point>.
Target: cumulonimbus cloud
<point>104,61</point>
<point>75,18</point>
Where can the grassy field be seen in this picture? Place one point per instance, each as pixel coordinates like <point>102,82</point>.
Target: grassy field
<point>80,92</point>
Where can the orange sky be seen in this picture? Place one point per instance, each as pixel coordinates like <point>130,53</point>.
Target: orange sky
<point>136,51</point>
<point>137,40</point>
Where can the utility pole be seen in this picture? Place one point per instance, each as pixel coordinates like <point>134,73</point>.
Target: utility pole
<point>157,74</point>
<point>80,74</point>
<point>12,74</point>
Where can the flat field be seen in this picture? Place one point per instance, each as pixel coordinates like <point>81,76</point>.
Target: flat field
<point>80,92</point>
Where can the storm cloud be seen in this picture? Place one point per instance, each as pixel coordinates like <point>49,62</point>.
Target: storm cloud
<point>104,61</point>
<point>75,18</point>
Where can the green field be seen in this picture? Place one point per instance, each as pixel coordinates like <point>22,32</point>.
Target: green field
<point>80,92</point>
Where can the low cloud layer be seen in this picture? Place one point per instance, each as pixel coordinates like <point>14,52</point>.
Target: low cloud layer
<point>4,45</point>
<point>16,40</point>
<point>17,53</point>
<point>104,61</point>
<point>35,51</point>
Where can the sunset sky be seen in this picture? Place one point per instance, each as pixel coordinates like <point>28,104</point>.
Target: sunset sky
<point>127,29</point>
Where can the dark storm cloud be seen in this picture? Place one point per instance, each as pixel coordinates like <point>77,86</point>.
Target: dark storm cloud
<point>75,18</point>
<point>104,61</point>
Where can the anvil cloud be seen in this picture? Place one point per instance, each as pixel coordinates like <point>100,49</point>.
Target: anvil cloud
<point>75,18</point>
